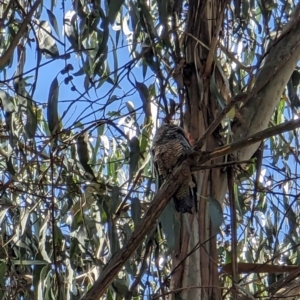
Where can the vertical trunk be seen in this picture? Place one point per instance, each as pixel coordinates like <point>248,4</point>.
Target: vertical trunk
<point>200,268</point>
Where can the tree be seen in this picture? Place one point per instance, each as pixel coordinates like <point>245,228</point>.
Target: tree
<point>80,216</point>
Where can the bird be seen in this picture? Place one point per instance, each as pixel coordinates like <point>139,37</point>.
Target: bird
<point>170,146</point>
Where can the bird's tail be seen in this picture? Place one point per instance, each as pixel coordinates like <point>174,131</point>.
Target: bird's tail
<point>183,205</point>
<point>186,196</point>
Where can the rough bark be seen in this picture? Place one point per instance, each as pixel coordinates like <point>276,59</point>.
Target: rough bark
<point>200,268</point>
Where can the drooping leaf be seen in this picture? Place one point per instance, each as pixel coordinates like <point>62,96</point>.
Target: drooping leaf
<point>52,109</point>
<point>120,286</point>
<point>43,241</point>
<point>71,29</point>
<point>10,116</point>
<point>113,237</point>
<point>134,145</point>
<point>215,212</point>
<point>146,19</point>
<point>31,122</point>
<point>144,94</point>
<point>115,196</point>
<point>215,92</point>
<point>113,9</point>
<point>77,221</point>
<point>136,211</point>
<point>53,21</point>
<point>46,42</point>
<point>3,278</point>
<point>84,154</point>
<point>10,167</point>
<point>42,281</point>
<point>167,223</point>
<point>7,103</point>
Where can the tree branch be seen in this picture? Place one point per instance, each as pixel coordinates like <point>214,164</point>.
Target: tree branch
<point>252,139</point>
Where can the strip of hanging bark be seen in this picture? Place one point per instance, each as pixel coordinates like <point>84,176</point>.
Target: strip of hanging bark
<point>234,241</point>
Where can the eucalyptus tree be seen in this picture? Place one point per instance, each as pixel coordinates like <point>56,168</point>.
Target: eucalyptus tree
<point>85,85</point>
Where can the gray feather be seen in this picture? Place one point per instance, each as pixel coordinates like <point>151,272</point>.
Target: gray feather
<point>170,146</point>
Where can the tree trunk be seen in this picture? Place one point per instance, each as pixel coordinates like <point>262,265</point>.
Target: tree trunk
<point>200,269</point>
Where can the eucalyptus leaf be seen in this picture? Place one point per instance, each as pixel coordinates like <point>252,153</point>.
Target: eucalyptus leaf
<point>7,102</point>
<point>52,108</point>
<point>42,242</point>
<point>113,9</point>
<point>84,154</point>
<point>136,211</point>
<point>115,196</point>
<point>71,29</point>
<point>167,219</point>
<point>134,145</point>
<point>46,42</point>
<point>145,96</point>
<point>113,237</point>
<point>31,122</point>
<point>215,212</point>
<point>53,21</point>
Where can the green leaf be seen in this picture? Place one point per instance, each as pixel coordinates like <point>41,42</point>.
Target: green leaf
<point>136,211</point>
<point>215,91</point>
<point>167,222</point>
<point>113,237</point>
<point>3,278</point>
<point>215,212</point>
<point>134,146</point>
<point>44,274</point>
<point>115,196</point>
<point>46,42</point>
<point>113,9</point>
<point>121,287</point>
<point>31,122</point>
<point>147,19</point>
<point>53,21</point>
<point>52,109</point>
<point>145,96</point>
<point>24,215</point>
<point>7,102</point>
<point>84,154</point>
<point>10,167</point>
<point>3,214</point>
<point>77,221</point>
<point>43,241</point>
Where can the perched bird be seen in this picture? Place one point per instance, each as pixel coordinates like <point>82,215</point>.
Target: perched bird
<point>170,145</point>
